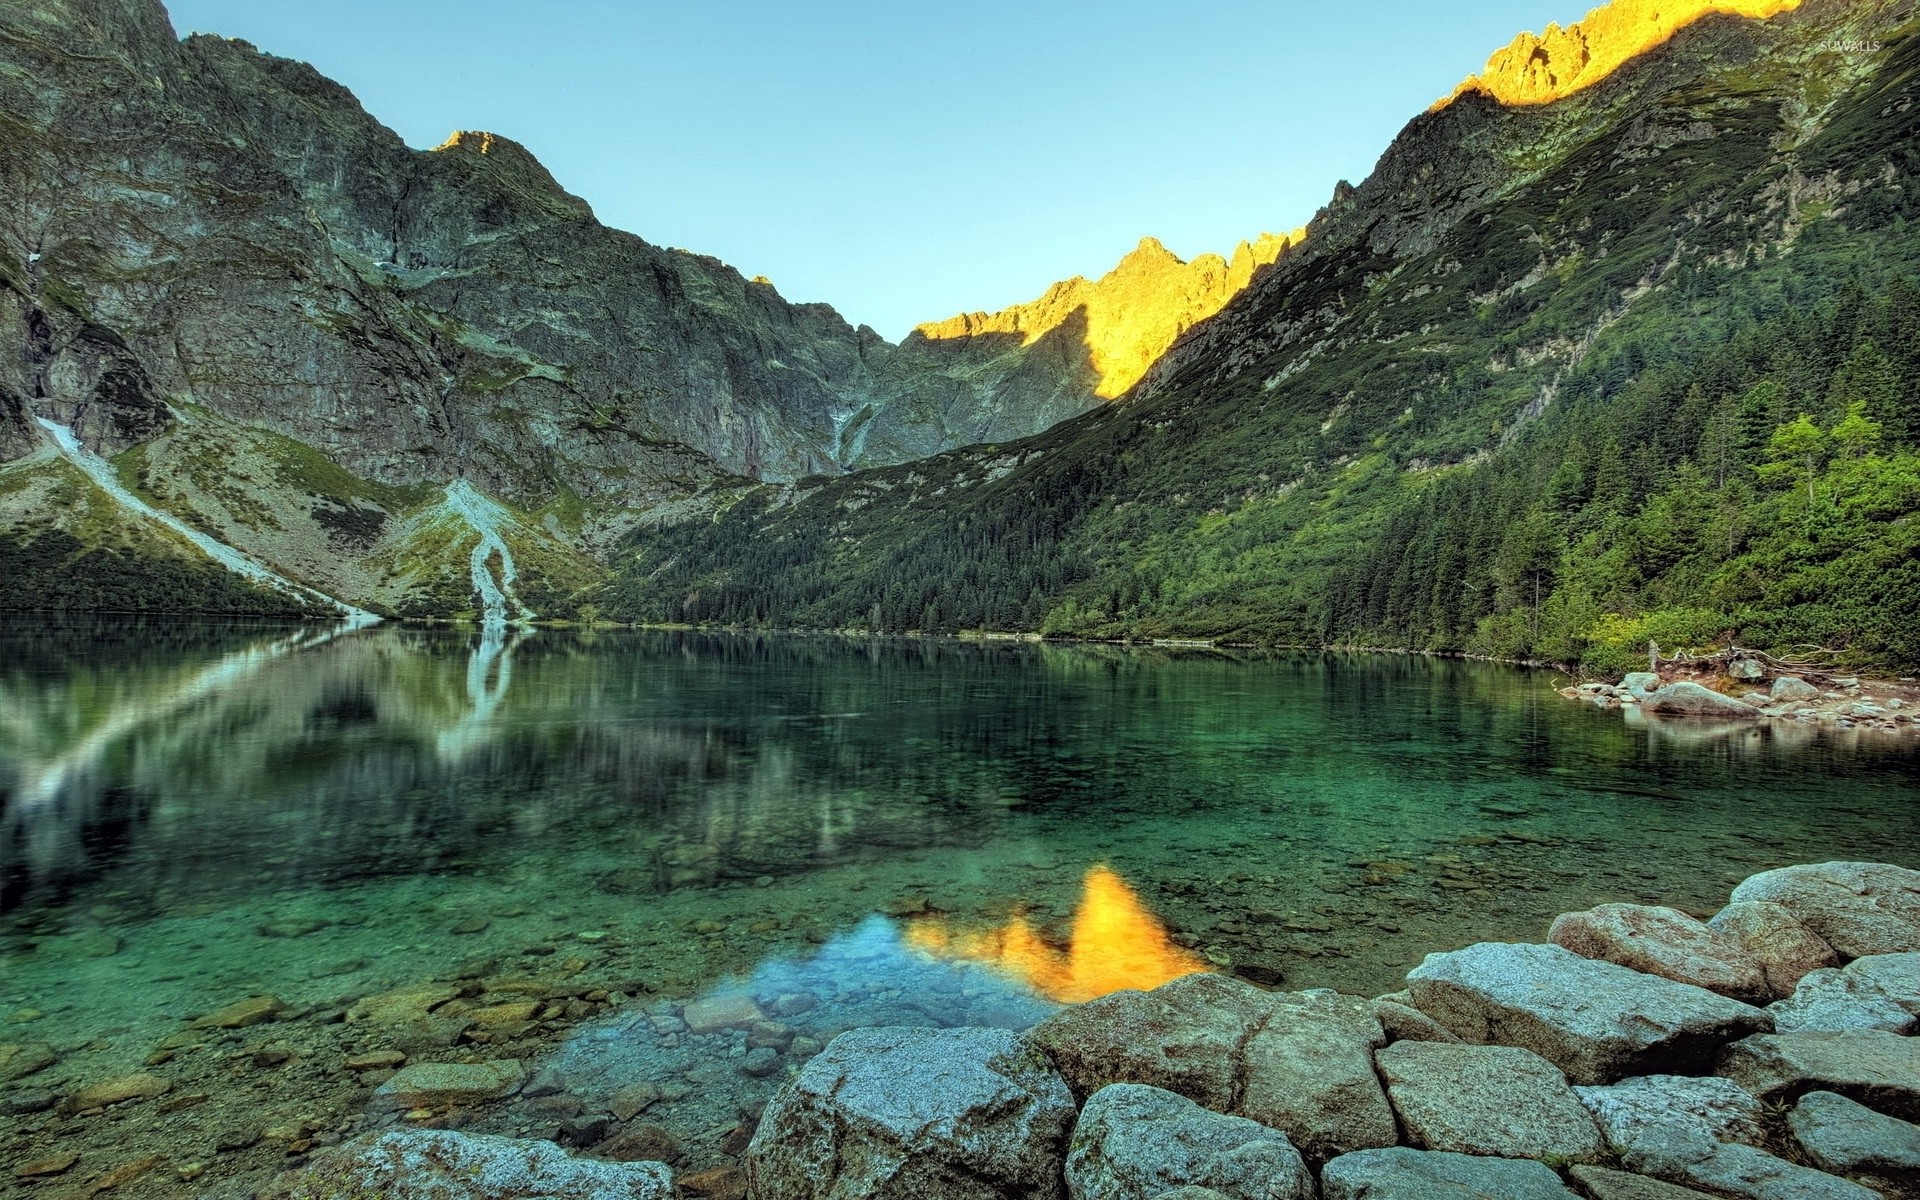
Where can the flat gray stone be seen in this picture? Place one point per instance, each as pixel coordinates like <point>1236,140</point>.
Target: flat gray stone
<point>1597,1021</point>
<point>1703,1133</point>
<point>1873,1067</point>
<point>1772,936</point>
<point>1664,942</point>
<point>1858,908</point>
<point>1603,1183</point>
<point>431,1085</point>
<point>916,1114</point>
<point>1792,688</point>
<point>1851,1139</point>
<point>1499,1101</point>
<point>433,1164</point>
<point>1836,1000</point>
<point>1403,1174</point>
<point>1135,1142</point>
<point>1897,976</point>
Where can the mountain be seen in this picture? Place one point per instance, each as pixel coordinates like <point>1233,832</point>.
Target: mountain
<point>1562,376</point>
<point>302,363</point>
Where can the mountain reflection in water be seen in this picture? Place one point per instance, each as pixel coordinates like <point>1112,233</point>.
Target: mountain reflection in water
<point>1116,943</point>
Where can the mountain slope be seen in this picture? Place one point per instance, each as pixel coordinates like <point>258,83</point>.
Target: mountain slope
<point>306,332</point>
<point>1517,393</point>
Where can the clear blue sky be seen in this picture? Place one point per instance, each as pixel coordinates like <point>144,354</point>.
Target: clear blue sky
<point>907,160</point>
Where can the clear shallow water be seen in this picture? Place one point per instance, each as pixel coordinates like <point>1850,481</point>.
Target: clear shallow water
<point>198,813</point>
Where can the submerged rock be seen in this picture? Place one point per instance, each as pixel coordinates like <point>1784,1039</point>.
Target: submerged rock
<point>916,1114</point>
<point>1500,1101</point>
<point>1770,935</point>
<point>1858,908</point>
<point>1664,942</point>
<point>431,1164</point>
<point>1403,1174</point>
<point>1135,1142</point>
<point>1596,1021</point>
<point>19,1060</point>
<point>429,1085</point>
<point>138,1086</point>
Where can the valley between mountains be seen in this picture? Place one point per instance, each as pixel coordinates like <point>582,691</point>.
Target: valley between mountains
<point>1619,343</point>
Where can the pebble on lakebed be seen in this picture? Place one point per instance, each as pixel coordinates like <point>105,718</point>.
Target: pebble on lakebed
<point>1643,1058</point>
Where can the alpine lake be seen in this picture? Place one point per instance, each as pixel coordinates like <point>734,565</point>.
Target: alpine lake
<point>253,868</point>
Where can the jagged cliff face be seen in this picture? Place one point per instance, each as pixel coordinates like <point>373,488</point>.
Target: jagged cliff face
<point>1132,314</point>
<point>1542,68</point>
<point>1433,315</point>
<point>297,333</point>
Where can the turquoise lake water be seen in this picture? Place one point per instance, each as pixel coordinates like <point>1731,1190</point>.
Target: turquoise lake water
<point>199,812</point>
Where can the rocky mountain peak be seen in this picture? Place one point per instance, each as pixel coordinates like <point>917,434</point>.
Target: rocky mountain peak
<point>1544,67</point>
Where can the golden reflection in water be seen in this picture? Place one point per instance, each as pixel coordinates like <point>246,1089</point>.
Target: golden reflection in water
<point>1116,943</point>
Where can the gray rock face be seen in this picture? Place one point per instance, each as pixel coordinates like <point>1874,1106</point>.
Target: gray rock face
<point>1852,1139</point>
<point>1640,684</point>
<point>1184,1036</point>
<point>1703,1133</point>
<point>1404,1023</point>
<point>1308,1072</point>
<point>1770,935</point>
<point>429,1164</point>
<point>1663,942</point>
<point>1300,1062</point>
<point>916,1114</point>
<point>1876,1068</point>
<point>1603,1183</point>
<point>1499,1101</point>
<point>1858,908</point>
<point>1880,992</point>
<point>1692,700</point>
<point>1791,688</point>
<point>1403,1174</point>
<point>1134,1142</point>
<point>1594,1020</point>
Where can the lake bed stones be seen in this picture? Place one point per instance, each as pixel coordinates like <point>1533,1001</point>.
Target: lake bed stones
<point>1499,1101</point>
<point>1134,1142</point>
<point>432,1164</point>
<point>916,1114</point>
<point>1597,1021</point>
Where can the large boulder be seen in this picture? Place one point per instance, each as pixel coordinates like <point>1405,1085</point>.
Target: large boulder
<point>1308,1072</point>
<point>1792,689</point>
<point>1852,1139</point>
<point>1300,1062</point>
<point>1692,700</point>
<point>1640,684</point>
<point>1770,935</point>
<point>1135,1142</point>
<point>1879,992</point>
<point>1664,942</point>
<point>1500,1101</point>
<point>1703,1133</point>
<point>1597,1021</point>
<point>916,1114</point>
<point>1876,1068</point>
<point>1859,908</point>
<point>1400,1173</point>
<point>433,1164</point>
<point>1184,1036</point>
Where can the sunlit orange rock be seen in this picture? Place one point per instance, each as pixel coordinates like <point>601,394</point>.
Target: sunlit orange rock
<point>1134,312</point>
<point>1116,943</point>
<point>1541,68</point>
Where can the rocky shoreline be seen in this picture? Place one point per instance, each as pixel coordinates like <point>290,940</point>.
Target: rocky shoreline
<point>1751,689</point>
<point>1638,1053</point>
